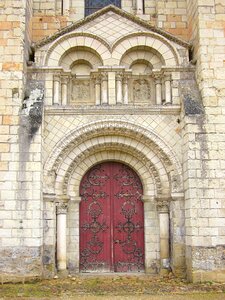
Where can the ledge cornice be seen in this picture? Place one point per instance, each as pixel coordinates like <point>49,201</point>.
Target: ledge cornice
<point>113,110</point>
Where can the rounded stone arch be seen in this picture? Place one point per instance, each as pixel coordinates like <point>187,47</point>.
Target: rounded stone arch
<point>78,54</point>
<point>122,136</point>
<point>98,145</point>
<point>142,53</point>
<point>160,45</point>
<point>142,171</point>
<point>71,40</point>
<point>115,127</point>
<point>146,66</point>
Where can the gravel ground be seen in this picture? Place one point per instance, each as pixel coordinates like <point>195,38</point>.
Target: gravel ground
<point>117,287</point>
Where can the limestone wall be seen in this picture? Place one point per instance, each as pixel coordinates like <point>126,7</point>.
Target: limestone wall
<point>204,142</point>
<point>195,137</point>
<point>50,16</point>
<point>20,215</point>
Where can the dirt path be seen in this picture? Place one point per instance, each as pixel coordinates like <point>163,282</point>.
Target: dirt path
<point>140,287</point>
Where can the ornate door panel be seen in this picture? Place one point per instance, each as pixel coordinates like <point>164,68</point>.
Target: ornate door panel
<point>111,220</point>
<point>128,220</point>
<point>95,212</point>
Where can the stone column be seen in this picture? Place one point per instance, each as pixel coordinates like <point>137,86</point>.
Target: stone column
<point>66,7</point>
<point>104,87</point>
<point>168,95</point>
<point>139,5</point>
<point>61,236</point>
<point>97,90</point>
<point>111,88</point>
<point>119,96</point>
<point>158,88</point>
<point>163,210</point>
<point>56,90</point>
<point>64,90</point>
<point>125,90</point>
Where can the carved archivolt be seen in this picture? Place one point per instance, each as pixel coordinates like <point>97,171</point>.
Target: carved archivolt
<point>117,128</point>
<point>151,182</point>
<point>137,158</point>
<point>101,136</point>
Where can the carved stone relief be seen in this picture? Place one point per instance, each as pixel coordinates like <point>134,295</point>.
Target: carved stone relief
<point>141,90</point>
<point>80,91</point>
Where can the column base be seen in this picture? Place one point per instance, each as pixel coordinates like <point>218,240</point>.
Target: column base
<point>164,272</point>
<point>62,273</point>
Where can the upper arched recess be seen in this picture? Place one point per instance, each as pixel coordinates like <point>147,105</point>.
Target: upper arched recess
<point>150,43</point>
<point>84,55</point>
<point>142,54</point>
<point>66,44</point>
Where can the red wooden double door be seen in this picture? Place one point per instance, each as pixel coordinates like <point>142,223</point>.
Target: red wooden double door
<point>111,220</point>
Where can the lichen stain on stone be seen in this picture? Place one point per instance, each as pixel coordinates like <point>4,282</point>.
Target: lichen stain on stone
<point>190,94</point>
<point>30,122</point>
<point>22,260</point>
<point>208,258</point>
<point>202,139</point>
<point>191,106</point>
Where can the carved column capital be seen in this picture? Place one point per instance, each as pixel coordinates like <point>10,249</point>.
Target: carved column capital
<point>96,77</point>
<point>64,79</point>
<point>61,208</point>
<point>167,76</point>
<point>104,76</point>
<point>119,76</point>
<point>157,75</point>
<point>125,79</point>
<point>57,77</point>
<point>163,204</point>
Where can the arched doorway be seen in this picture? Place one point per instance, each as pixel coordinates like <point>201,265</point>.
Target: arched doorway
<point>111,220</point>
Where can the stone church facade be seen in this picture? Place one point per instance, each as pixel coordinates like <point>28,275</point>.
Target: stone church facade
<point>112,137</point>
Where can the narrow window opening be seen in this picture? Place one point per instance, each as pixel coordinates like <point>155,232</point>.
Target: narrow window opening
<point>92,6</point>
<point>31,56</point>
<point>191,54</point>
<point>62,7</point>
<point>143,3</point>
